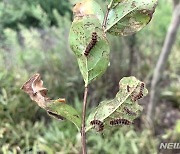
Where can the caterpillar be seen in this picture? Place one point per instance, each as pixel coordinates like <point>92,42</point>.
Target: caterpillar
<point>140,94</point>
<point>59,117</point>
<point>120,121</point>
<point>128,88</point>
<point>98,125</point>
<point>129,112</point>
<point>91,44</point>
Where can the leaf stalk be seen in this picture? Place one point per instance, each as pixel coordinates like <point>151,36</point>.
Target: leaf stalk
<point>106,15</point>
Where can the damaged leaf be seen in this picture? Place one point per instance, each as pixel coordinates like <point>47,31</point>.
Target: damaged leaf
<point>34,88</point>
<point>95,63</point>
<point>88,7</point>
<point>129,16</point>
<point>55,108</point>
<point>123,109</point>
<point>63,111</point>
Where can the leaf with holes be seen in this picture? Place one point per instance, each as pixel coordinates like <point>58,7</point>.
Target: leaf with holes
<point>129,16</point>
<point>88,7</point>
<point>93,64</point>
<point>123,106</point>
<point>55,108</point>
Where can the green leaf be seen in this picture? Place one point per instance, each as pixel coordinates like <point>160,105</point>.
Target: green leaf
<point>129,16</point>
<point>113,3</point>
<point>95,64</point>
<point>123,106</point>
<point>62,111</point>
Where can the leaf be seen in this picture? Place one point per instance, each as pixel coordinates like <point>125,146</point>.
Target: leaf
<point>114,3</point>
<point>55,108</point>
<point>123,106</point>
<point>129,16</point>
<point>95,64</point>
<point>63,111</point>
<point>34,88</point>
<point>88,7</point>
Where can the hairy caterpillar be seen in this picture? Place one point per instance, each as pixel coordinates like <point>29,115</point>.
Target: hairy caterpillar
<point>129,112</point>
<point>128,88</point>
<point>140,94</point>
<point>120,121</point>
<point>91,44</point>
<point>98,125</point>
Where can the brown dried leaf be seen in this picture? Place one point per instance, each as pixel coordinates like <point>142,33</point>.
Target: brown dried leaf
<point>55,108</point>
<point>34,88</point>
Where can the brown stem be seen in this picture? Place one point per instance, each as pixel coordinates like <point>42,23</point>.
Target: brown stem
<point>106,15</point>
<point>105,18</point>
<point>83,133</point>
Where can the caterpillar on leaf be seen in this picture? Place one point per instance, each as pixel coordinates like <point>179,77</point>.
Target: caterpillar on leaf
<point>119,121</point>
<point>91,44</point>
<point>138,96</point>
<point>98,125</point>
<point>129,112</point>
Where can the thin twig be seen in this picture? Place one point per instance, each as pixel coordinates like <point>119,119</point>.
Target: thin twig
<point>106,15</point>
<point>105,18</point>
<point>83,133</point>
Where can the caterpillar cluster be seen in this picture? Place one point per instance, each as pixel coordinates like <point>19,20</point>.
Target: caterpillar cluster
<point>140,94</point>
<point>120,121</point>
<point>129,112</point>
<point>98,125</point>
<point>91,44</point>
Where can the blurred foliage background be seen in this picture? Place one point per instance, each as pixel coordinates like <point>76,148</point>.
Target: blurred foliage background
<point>34,38</point>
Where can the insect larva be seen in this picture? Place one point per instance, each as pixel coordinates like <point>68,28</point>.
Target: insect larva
<point>98,125</point>
<point>91,44</point>
<point>128,88</point>
<point>59,117</point>
<point>120,121</point>
<point>129,112</point>
<point>140,94</point>
<point>142,86</point>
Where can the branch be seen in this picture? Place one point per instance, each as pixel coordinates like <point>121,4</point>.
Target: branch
<point>83,133</point>
<point>106,15</point>
<point>105,18</point>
